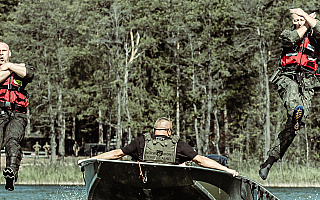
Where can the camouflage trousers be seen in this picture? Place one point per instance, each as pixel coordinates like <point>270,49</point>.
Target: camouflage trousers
<point>12,130</point>
<point>294,89</point>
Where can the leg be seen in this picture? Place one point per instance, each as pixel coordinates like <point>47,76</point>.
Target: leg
<point>15,132</point>
<point>3,123</point>
<point>297,103</point>
<point>4,119</point>
<point>290,93</point>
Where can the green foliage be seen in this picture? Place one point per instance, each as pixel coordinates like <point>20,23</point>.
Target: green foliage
<point>208,49</point>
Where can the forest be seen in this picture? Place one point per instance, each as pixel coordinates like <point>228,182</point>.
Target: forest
<point>109,69</point>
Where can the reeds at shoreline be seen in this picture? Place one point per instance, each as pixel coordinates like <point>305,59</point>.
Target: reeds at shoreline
<point>66,172</point>
<point>282,174</point>
<point>42,172</point>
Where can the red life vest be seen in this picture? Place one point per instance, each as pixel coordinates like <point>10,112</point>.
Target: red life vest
<point>12,92</point>
<point>304,54</point>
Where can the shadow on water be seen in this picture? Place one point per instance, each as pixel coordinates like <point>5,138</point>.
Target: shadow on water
<point>44,192</point>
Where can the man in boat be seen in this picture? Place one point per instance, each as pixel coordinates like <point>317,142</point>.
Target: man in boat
<point>296,79</point>
<point>162,147</point>
<point>13,108</point>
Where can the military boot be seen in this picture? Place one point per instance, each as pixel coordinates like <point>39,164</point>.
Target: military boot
<point>10,173</point>
<point>297,116</point>
<point>265,167</point>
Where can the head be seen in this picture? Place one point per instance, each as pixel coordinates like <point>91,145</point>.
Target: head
<point>297,21</point>
<point>163,127</point>
<point>5,53</point>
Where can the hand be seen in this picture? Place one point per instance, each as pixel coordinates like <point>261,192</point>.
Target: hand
<point>88,159</point>
<point>233,172</point>
<point>5,66</point>
<point>313,15</point>
<point>298,11</point>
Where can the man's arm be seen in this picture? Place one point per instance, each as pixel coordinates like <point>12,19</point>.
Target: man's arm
<point>4,74</point>
<point>110,155</point>
<point>19,69</point>
<point>207,162</point>
<point>310,20</point>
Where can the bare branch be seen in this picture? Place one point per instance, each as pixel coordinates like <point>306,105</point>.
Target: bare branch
<point>134,51</point>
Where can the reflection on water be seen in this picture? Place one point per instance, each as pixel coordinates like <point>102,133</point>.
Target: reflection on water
<point>44,192</point>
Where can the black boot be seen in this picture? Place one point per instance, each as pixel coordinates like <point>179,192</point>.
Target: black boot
<point>10,176</point>
<point>265,167</point>
<point>10,173</point>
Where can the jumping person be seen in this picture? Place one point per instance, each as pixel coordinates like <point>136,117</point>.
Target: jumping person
<point>13,107</point>
<point>162,147</point>
<point>295,79</point>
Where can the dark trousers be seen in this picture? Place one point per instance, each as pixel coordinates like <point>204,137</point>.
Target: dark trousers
<point>292,93</point>
<point>12,130</point>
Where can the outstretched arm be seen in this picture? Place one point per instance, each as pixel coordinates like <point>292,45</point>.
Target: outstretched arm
<point>110,155</point>
<point>207,162</point>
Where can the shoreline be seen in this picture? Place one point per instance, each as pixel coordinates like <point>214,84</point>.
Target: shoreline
<point>47,183</point>
<point>279,185</point>
<point>291,185</point>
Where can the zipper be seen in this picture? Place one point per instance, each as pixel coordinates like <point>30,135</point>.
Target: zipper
<point>9,90</point>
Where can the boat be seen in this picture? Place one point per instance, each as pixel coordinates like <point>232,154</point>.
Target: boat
<point>129,180</point>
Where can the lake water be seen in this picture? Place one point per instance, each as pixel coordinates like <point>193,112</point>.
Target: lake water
<point>44,192</point>
<point>296,193</point>
<point>79,193</point>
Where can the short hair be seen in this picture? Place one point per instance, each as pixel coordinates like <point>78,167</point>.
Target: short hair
<point>161,122</point>
<point>5,44</point>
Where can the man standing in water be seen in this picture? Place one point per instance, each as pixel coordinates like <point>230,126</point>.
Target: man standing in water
<point>13,108</point>
<point>295,80</point>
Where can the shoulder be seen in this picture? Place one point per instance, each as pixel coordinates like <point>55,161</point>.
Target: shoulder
<point>136,141</point>
<point>29,73</point>
<point>184,145</point>
<point>289,36</point>
<point>316,28</point>
<point>139,139</point>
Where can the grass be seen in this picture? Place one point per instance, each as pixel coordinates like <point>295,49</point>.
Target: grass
<point>42,172</point>
<point>282,174</point>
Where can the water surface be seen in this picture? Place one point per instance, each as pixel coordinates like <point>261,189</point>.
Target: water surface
<point>79,193</point>
<point>296,193</point>
<point>44,192</point>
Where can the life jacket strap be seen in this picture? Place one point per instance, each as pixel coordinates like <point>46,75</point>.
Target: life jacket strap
<point>307,69</point>
<point>12,106</point>
<point>14,88</point>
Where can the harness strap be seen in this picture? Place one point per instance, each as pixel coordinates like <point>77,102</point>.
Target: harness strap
<point>147,136</point>
<point>14,88</point>
<point>143,177</point>
<point>12,106</point>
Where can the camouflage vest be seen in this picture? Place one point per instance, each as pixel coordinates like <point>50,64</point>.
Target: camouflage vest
<point>160,150</point>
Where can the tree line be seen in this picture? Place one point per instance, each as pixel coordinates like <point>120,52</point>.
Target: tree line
<point>109,69</point>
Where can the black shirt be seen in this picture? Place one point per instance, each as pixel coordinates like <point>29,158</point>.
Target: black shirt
<point>135,149</point>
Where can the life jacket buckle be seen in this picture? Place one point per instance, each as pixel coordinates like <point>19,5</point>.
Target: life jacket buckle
<point>7,104</point>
